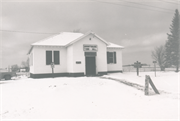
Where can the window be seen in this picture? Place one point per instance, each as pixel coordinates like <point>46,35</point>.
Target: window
<point>48,57</point>
<point>52,57</point>
<point>56,57</point>
<point>111,57</point>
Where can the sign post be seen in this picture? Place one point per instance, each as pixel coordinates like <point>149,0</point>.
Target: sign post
<point>137,65</point>
<point>155,67</point>
<point>52,66</point>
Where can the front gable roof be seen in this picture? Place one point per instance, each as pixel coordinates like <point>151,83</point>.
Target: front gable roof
<point>66,39</point>
<point>72,42</point>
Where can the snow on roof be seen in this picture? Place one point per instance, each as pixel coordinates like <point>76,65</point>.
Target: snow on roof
<point>67,38</point>
<point>112,45</point>
<point>61,39</point>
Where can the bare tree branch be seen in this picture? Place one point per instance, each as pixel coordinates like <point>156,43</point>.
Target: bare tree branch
<point>159,55</point>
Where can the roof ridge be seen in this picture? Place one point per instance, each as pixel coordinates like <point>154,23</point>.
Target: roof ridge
<point>45,38</point>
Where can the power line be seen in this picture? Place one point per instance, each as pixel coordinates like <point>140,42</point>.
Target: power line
<point>131,6</point>
<point>26,32</point>
<point>148,5</point>
<point>174,0</point>
<point>170,2</point>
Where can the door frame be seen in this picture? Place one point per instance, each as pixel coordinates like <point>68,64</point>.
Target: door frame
<point>91,54</point>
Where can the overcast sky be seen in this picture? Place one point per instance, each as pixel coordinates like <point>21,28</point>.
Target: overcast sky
<point>138,25</point>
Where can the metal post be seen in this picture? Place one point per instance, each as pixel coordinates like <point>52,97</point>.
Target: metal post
<point>52,66</point>
<point>155,67</point>
<point>52,72</point>
<point>137,71</point>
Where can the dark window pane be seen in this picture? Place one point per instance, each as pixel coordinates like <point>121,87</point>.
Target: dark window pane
<point>110,60</point>
<point>111,54</point>
<point>110,57</point>
<point>107,57</point>
<point>56,57</point>
<point>48,57</point>
<point>114,57</point>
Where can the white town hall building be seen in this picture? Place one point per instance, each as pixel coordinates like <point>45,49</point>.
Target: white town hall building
<point>74,54</point>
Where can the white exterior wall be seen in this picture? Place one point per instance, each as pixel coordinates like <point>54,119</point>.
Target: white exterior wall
<point>73,53</point>
<point>31,60</point>
<point>39,63</point>
<point>118,65</point>
<point>70,59</point>
<point>78,54</point>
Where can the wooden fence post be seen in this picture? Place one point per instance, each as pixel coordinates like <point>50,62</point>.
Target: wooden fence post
<point>146,90</point>
<point>153,86</point>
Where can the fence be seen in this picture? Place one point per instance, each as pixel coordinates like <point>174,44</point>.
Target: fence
<point>145,69</point>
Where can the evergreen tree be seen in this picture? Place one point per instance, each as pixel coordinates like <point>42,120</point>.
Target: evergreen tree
<point>173,42</point>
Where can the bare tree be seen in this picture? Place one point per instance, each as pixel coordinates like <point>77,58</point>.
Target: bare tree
<point>25,64</point>
<point>14,68</point>
<point>158,54</point>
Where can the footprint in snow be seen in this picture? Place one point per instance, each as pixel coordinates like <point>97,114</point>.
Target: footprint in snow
<point>52,86</point>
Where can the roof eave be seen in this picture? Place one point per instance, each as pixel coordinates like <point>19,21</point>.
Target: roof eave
<point>49,45</point>
<point>85,36</point>
<point>30,50</point>
<point>120,47</point>
<point>75,40</point>
<point>101,39</point>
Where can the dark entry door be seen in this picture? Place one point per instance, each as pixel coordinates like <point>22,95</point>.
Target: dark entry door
<point>90,66</point>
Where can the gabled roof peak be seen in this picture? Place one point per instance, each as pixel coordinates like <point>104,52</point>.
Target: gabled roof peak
<point>90,32</point>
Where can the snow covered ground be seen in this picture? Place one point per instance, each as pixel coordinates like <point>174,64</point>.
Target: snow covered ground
<point>90,98</point>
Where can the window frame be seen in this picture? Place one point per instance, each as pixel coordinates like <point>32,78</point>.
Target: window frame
<point>47,59</point>
<point>56,58</point>
<point>114,59</point>
<point>53,57</point>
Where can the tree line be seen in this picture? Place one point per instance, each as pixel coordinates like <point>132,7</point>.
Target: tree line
<point>24,65</point>
<point>168,55</point>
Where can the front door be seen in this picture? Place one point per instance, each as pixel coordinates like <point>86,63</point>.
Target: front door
<point>90,66</point>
